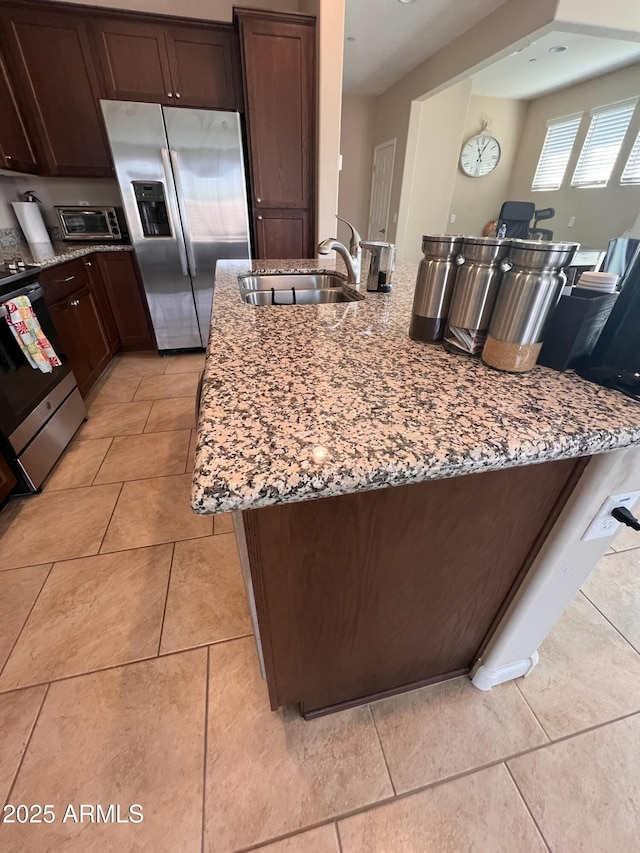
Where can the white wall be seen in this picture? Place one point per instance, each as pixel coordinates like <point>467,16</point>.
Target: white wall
<point>356,147</point>
<point>494,36</point>
<point>477,200</point>
<point>601,213</point>
<point>429,185</point>
<point>330,31</point>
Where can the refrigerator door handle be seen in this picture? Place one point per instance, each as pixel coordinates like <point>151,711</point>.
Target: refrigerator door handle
<point>175,219</point>
<point>183,212</point>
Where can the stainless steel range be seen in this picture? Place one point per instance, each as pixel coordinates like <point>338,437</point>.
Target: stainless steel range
<point>39,412</point>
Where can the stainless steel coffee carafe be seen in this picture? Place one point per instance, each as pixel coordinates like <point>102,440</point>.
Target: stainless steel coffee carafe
<point>434,287</point>
<point>474,293</point>
<point>530,289</point>
<point>383,263</point>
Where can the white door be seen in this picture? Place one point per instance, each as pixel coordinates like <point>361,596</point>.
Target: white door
<point>383,157</point>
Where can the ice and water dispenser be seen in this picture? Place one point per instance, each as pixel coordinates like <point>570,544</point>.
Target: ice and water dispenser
<point>152,207</point>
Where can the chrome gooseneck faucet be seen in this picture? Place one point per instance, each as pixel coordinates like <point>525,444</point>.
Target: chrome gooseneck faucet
<point>351,256</point>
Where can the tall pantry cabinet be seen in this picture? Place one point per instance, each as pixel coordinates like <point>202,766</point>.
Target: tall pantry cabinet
<point>278,64</point>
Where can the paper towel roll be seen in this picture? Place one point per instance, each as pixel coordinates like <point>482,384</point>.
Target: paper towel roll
<point>33,228</point>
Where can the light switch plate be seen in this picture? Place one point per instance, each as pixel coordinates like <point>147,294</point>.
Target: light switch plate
<point>604,524</point>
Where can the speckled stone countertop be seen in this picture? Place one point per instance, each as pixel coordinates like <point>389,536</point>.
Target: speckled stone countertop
<point>69,253</point>
<point>312,401</point>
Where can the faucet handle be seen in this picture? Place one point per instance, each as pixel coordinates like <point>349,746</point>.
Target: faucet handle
<point>354,245</point>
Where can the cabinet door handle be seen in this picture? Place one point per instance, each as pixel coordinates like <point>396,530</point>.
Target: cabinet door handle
<point>74,303</point>
<point>169,94</point>
<point>7,157</point>
<point>259,217</point>
<point>258,200</point>
<point>178,95</point>
<point>68,278</point>
<point>87,263</point>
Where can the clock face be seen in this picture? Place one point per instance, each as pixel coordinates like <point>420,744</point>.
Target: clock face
<point>480,155</point>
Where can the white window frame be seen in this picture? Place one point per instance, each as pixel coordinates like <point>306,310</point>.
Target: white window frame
<point>631,173</point>
<point>553,124</point>
<point>580,181</point>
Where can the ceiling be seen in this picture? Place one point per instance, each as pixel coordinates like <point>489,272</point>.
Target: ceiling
<point>391,37</point>
<point>517,76</point>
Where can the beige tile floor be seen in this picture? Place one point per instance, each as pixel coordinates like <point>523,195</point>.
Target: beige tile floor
<point>128,674</point>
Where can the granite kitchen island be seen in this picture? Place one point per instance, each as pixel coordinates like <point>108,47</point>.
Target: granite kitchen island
<point>402,511</point>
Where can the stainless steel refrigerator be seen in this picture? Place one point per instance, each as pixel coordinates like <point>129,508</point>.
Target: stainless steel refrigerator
<point>182,181</point>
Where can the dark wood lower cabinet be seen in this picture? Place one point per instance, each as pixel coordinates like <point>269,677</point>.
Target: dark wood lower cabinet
<point>7,480</point>
<point>82,334</point>
<point>365,595</point>
<point>91,265</point>
<point>127,301</point>
<point>98,308</point>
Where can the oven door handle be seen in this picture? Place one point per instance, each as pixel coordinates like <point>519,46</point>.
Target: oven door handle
<point>35,292</point>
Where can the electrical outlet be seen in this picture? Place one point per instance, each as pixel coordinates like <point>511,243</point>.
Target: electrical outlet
<point>604,524</point>
<point>571,222</point>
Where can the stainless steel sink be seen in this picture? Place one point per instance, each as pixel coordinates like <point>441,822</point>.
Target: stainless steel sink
<point>295,289</point>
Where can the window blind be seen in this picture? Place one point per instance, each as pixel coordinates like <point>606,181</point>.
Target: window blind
<point>631,173</point>
<point>554,157</point>
<point>602,145</point>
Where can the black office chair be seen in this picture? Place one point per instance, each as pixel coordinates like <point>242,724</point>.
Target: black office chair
<point>536,233</point>
<point>517,216</point>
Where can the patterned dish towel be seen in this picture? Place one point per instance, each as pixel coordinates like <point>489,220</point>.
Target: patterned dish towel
<point>28,333</point>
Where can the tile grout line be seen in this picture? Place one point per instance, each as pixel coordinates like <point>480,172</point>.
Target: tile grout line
<point>606,618</point>
<point>27,745</point>
<point>421,789</point>
<point>204,761</point>
<point>166,598</point>
<point>121,401</point>
<point>145,659</point>
<point>108,525</point>
<point>384,755</point>
<point>526,702</point>
<point>526,805</point>
<point>26,619</point>
<point>93,482</point>
<point>150,476</point>
<point>338,839</point>
<point>414,791</point>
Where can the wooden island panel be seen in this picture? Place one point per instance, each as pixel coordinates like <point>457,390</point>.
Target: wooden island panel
<point>369,594</point>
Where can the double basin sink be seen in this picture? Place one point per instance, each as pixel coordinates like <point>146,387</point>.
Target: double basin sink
<point>295,289</point>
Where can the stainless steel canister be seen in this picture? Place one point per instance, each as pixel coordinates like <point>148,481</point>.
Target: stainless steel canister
<point>434,286</point>
<point>530,289</point>
<point>382,265</point>
<point>474,293</point>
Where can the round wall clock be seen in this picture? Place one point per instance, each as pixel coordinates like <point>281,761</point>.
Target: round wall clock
<point>480,155</point>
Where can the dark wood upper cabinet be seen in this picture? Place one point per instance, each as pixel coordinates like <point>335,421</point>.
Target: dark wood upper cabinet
<point>133,59</point>
<point>278,63</point>
<point>205,67</point>
<point>15,148</point>
<point>189,66</point>
<point>51,65</point>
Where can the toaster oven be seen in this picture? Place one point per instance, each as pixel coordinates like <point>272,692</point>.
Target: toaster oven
<point>92,223</point>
